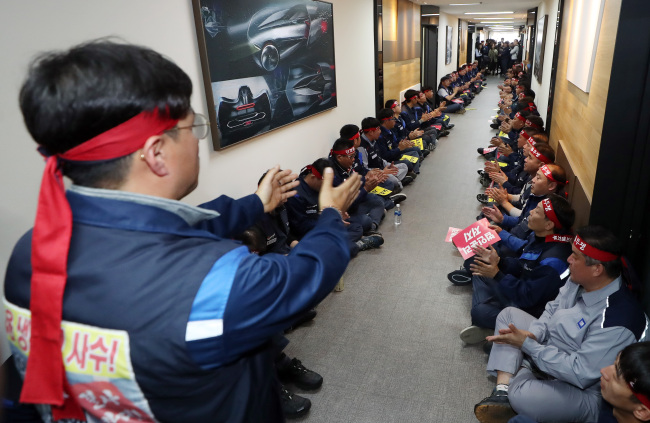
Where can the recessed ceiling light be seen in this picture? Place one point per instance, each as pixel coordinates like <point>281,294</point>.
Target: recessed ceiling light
<point>496,22</point>
<point>489,13</point>
<point>491,18</point>
<point>431,14</point>
<point>464,4</point>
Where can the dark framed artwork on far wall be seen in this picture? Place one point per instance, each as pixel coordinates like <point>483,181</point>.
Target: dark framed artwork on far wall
<point>450,32</point>
<point>266,64</point>
<point>540,44</point>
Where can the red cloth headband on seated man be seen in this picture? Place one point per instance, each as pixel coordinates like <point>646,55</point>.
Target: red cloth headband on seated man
<point>524,134</point>
<point>529,123</point>
<point>371,129</point>
<point>644,400</point>
<point>539,155</point>
<point>343,152</point>
<point>520,117</point>
<point>355,136</point>
<point>314,172</point>
<point>593,252</point>
<point>45,380</point>
<point>550,213</point>
<point>549,175</point>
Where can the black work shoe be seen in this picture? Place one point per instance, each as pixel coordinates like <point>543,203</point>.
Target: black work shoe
<point>294,372</point>
<point>451,125</point>
<point>485,181</point>
<point>494,409</point>
<point>371,241</point>
<point>397,198</point>
<point>483,198</point>
<point>425,153</point>
<point>481,172</point>
<point>480,151</point>
<point>487,347</point>
<point>495,125</point>
<point>443,134</point>
<point>293,405</point>
<point>412,175</point>
<point>407,180</point>
<point>302,319</point>
<point>460,277</point>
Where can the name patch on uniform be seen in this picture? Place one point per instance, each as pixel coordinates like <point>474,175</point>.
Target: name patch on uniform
<point>581,324</point>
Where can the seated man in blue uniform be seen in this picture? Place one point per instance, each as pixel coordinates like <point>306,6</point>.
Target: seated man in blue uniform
<point>125,303</point>
<point>303,210</point>
<point>594,316</point>
<point>527,282</point>
<point>392,149</point>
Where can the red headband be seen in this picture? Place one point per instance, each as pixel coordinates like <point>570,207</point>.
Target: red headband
<point>531,107</point>
<point>549,175</point>
<point>355,136</point>
<point>644,400</point>
<point>314,172</point>
<point>412,97</point>
<point>343,152</point>
<point>529,123</point>
<point>520,117</point>
<point>394,105</point>
<point>387,118</point>
<point>539,155</point>
<point>550,213</point>
<point>532,141</point>
<point>45,375</point>
<point>371,129</point>
<point>593,252</point>
<point>524,134</point>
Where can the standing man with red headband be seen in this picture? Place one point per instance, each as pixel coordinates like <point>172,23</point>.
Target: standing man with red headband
<point>124,303</point>
<point>549,368</point>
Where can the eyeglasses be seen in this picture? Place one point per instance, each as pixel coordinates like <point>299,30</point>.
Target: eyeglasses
<point>200,127</point>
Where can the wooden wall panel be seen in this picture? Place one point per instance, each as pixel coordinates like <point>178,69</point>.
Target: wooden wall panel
<point>577,195</point>
<point>462,48</point>
<point>577,116</point>
<point>401,46</point>
<point>400,75</point>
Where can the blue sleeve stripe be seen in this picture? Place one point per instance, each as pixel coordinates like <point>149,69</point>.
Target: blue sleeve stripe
<point>210,301</point>
<point>556,264</point>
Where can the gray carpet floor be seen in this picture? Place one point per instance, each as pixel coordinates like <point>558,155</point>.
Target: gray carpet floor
<point>387,345</point>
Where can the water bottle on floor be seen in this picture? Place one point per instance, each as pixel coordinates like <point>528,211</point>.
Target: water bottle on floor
<point>398,215</point>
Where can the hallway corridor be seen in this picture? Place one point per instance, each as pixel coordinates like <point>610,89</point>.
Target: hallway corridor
<point>388,345</point>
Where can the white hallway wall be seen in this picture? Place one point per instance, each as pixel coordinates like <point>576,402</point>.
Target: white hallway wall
<point>549,8</point>
<point>168,27</point>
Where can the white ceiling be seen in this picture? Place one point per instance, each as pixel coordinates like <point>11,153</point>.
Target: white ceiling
<point>519,7</point>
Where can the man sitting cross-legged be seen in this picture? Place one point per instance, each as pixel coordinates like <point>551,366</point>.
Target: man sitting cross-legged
<point>303,210</point>
<point>593,317</point>
<point>527,282</point>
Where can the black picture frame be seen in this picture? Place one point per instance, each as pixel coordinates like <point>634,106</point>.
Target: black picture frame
<point>450,34</point>
<point>540,46</point>
<point>265,63</point>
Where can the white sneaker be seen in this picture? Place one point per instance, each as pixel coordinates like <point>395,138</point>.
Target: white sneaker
<point>475,334</point>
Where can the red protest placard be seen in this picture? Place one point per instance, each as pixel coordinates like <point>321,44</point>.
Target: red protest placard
<point>475,234</point>
<point>452,233</point>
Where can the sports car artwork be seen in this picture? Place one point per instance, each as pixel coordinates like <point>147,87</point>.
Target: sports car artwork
<point>265,64</point>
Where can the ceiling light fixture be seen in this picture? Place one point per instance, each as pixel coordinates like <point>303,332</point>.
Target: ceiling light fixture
<point>489,13</point>
<point>431,14</point>
<point>464,4</point>
<point>491,18</point>
<point>497,22</point>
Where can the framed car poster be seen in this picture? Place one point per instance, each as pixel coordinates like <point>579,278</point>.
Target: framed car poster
<point>265,64</point>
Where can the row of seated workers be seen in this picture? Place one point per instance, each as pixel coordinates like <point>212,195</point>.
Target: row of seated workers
<point>387,150</point>
<point>171,318</point>
<point>556,310</point>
